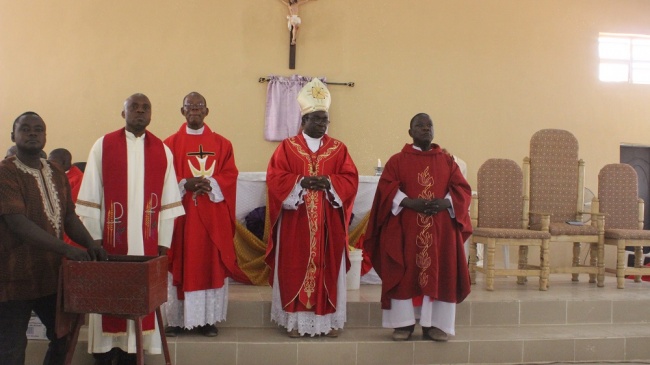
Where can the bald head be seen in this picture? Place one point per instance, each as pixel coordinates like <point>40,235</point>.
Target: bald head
<point>137,113</point>
<point>194,110</point>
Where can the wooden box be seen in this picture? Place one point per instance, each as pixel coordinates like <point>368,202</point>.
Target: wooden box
<point>123,285</point>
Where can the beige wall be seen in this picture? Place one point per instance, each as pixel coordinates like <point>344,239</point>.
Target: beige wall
<point>490,72</point>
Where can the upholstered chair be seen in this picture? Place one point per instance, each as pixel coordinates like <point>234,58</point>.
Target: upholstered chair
<point>554,183</point>
<point>500,218</point>
<point>618,198</point>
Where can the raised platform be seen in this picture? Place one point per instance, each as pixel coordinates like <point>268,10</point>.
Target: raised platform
<point>571,322</point>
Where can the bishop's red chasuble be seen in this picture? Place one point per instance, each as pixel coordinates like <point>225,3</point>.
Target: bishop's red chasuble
<point>314,237</point>
<point>202,253</point>
<point>415,254</point>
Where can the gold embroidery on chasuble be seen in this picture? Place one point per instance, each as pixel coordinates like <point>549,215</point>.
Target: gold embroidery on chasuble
<point>114,214</point>
<point>313,200</point>
<point>149,210</point>
<point>49,196</point>
<point>424,239</point>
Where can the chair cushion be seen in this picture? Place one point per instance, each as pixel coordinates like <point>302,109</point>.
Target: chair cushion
<point>627,234</point>
<point>564,228</point>
<point>510,233</point>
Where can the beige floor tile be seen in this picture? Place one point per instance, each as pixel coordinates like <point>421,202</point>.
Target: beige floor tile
<point>600,349</point>
<point>430,352</point>
<point>547,312</point>
<point>589,311</point>
<point>637,348</point>
<point>358,314</point>
<point>375,315</point>
<point>549,350</point>
<point>483,352</point>
<point>630,311</point>
<point>494,313</point>
<point>463,314</point>
<point>275,353</point>
<point>327,353</point>
<point>393,353</point>
<point>245,314</point>
<point>206,353</point>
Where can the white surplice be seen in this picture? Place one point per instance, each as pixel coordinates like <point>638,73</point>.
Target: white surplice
<point>92,191</point>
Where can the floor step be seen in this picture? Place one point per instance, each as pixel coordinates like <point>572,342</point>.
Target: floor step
<point>361,346</point>
<point>515,324</point>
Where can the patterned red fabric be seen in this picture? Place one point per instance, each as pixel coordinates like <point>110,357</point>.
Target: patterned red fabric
<point>415,254</point>
<point>314,237</point>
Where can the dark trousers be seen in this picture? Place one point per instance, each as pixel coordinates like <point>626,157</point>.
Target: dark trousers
<point>14,320</point>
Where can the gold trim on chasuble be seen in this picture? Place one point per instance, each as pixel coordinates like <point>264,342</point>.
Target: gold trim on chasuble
<point>149,211</point>
<point>112,220</point>
<point>424,239</point>
<point>49,197</point>
<point>311,203</point>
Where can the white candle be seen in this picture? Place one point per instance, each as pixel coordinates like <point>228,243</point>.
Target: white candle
<point>378,163</point>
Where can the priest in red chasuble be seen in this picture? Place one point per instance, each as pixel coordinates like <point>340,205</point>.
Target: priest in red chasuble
<point>415,237</point>
<point>202,255</point>
<point>312,183</point>
<point>129,198</point>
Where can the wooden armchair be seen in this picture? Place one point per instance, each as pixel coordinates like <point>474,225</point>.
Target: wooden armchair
<point>500,218</point>
<point>618,199</point>
<point>554,183</point>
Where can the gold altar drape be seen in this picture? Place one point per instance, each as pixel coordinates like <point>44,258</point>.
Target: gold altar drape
<point>250,250</point>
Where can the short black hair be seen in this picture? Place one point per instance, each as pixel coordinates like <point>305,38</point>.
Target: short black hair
<point>13,127</point>
<point>418,116</point>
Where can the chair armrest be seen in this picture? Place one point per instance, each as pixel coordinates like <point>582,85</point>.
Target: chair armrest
<point>544,221</point>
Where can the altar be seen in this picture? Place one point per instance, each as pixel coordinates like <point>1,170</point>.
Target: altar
<point>251,193</point>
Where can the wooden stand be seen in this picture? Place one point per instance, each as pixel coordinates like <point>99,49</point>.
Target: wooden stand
<point>129,287</point>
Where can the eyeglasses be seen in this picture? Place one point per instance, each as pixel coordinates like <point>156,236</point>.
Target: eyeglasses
<point>319,120</point>
<point>194,106</point>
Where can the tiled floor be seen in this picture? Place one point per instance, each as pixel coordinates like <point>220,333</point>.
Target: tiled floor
<point>571,322</point>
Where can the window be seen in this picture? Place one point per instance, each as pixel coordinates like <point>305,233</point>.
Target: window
<point>624,58</point>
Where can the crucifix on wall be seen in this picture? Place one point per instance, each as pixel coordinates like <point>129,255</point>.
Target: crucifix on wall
<point>293,23</point>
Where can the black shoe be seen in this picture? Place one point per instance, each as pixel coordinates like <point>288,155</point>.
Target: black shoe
<point>128,359</point>
<point>172,331</point>
<point>209,330</point>
<point>105,358</point>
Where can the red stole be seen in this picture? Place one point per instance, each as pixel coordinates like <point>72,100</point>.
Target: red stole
<point>115,238</point>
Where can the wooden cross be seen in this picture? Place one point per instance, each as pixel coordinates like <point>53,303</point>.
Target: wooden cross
<point>293,23</point>
<point>292,54</point>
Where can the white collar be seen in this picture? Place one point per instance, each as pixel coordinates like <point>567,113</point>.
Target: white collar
<point>132,136</point>
<point>194,131</point>
<point>313,143</point>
